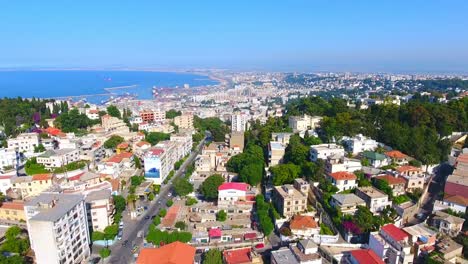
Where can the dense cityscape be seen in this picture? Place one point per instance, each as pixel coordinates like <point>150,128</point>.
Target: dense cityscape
<point>263,167</point>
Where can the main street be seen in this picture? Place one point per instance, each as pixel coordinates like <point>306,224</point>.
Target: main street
<point>123,254</point>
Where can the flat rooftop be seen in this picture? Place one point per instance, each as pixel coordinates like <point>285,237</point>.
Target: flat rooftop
<point>52,206</point>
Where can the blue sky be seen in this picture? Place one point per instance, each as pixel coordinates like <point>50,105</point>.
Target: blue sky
<point>264,35</point>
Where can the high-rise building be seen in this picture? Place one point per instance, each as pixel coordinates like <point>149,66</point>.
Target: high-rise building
<point>184,121</point>
<point>239,122</point>
<point>58,228</point>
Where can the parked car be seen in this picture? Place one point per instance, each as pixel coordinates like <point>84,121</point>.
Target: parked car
<point>259,246</point>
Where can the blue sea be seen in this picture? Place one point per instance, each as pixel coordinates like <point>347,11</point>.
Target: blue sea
<point>89,84</point>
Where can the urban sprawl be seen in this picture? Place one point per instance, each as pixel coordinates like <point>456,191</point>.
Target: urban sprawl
<point>260,168</point>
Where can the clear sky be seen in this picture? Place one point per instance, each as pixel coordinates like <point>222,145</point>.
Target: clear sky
<point>374,35</point>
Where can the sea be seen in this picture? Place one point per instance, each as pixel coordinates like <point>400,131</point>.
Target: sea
<point>93,86</point>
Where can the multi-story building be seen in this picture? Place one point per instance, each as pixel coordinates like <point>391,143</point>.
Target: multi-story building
<point>12,212</point>
<point>239,122</point>
<point>375,159</point>
<point>231,193</point>
<point>276,152</point>
<point>157,164</point>
<point>397,157</point>
<point>8,158</point>
<point>343,180</point>
<point>92,113</point>
<point>334,164</point>
<point>185,141</point>
<point>375,199</point>
<point>323,151</point>
<point>362,256</point>
<point>347,203</point>
<point>100,209</point>
<point>304,252</point>
<point>116,164</point>
<point>281,137</point>
<point>414,177</point>
<point>236,140</point>
<point>147,116</point>
<point>6,181</point>
<point>397,184</point>
<point>58,228</point>
<point>448,224</point>
<point>113,125</point>
<point>28,186</point>
<point>25,142</point>
<point>304,226</point>
<point>392,245</point>
<point>291,199</point>
<point>303,123</point>
<point>359,143</point>
<point>184,121</point>
<point>58,158</point>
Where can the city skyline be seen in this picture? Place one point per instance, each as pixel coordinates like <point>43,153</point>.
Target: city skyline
<point>359,36</point>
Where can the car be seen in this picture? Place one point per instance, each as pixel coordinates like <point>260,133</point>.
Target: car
<point>169,194</point>
<point>94,260</point>
<point>153,217</point>
<point>147,217</point>
<point>159,202</point>
<point>145,208</point>
<point>259,246</point>
<point>125,243</point>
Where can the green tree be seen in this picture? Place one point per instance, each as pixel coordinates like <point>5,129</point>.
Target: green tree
<point>137,162</point>
<point>104,253</point>
<point>209,187</point>
<point>180,225</point>
<point>221,216</point>
<point>39,148</point>
<point>284,173</point>
<point>182,186</point>
<point>112,110</point>
<point>113,142</point>
<point>119,203</point>
<point>155,137</point>
<point>364,218</point>
<point>252,173</point>
<point>213,256</point>
<point>296,152</point>
<point>172,113</point>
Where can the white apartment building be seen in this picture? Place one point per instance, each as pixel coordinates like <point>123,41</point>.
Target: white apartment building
<point>24,142</point>
<point>184,121</point>
<point>239,122</point>
<point>359,143</point>
<point>276,152</point>
<point>58,228</point>
<point>303,123</point>
<point>92,113</point>
<point>323,151</point>
<point>375,199</point>
<point>342,164</point>
<point>158,163</point>
<point>343,180</point>
<point>6,182</point>
<point>58,158</point>
<point>100,209</point>
<point>392,245</point>
<point>7,158</point>
<point>185,141</point>
<point>230,193</point>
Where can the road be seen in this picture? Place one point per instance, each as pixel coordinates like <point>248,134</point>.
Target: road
<point>121,254</point>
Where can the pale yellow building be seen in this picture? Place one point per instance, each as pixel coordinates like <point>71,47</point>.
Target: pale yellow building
<point>12,211</point>
<point>184,121</point>
<point>28,186</point>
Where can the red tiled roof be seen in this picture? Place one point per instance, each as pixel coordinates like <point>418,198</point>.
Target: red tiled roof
<point>76,177</point>
<point>463,158</point>
<point>391,180</point>
<point>343,175</point>
<point>119,157</point>
<point>142,143</point>
<point>93,111</point>
<point>250,236</point>
<point>303,222</point>
<point>4,177</point>
<point>452,188</point>
<point>171,216</point>
<point>214,232</point>
<point>41,177</point>
<point>394,232</point>
<point>240,186</point>
<point>457,199</point>
<point>237,256</point>
<point>122,145</point>
<point>53,131</point>
<point>173,253</point>
<point>407,168</point>
<point>115,184</point>
<point>157,151</point>
<point>396,154</point>
<point>12,206</point>
<point>366,256</point>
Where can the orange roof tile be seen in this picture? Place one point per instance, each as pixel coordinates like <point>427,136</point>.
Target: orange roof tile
<point>407,168</point>
<point>303,222</point>
<point>41,177</point>
<point>119,157</point>
<point>12,206</point>
<point>457,199</point>
<point>171,216</point>
<point>396,154</point>
<point>143,143</point>
<point>392,180</point>
<point>174,253</point>
<point>122,145</point>
<point>237,256</point>
<point>343,175</point>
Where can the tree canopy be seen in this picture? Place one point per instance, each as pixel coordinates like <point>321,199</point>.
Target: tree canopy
<point>214,125</point>
<point>213,256</point>
<point>112,110</point>
<point>209,187</point>
<point>172,113</point>
<point>249,165</point>
<point>155,137</point>
<point>285,173</point>
<point>113,142</point>
<point>182,186</point>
